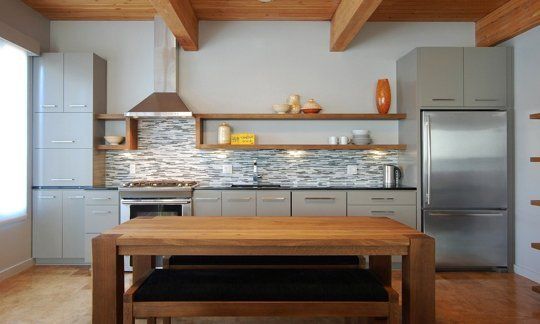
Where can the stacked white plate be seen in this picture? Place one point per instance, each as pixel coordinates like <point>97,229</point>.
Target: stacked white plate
<point>361,137</point>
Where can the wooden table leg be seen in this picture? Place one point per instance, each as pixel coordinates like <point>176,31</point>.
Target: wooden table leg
<point>107,280</point>
<point>381,266</point>
<point>142,265</point>
<point>418,284</point>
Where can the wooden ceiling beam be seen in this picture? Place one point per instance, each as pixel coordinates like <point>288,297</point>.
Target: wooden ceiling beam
<point>349,18</point>
<point>509,20</point>
<point>181,20</point>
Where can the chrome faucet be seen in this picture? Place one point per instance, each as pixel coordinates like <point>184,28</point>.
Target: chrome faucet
<point>256,176</point>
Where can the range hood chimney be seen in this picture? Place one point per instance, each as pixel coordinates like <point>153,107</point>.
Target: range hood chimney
<point>165,101</point>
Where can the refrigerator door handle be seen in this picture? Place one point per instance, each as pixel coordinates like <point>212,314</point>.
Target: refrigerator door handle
<point>427,125</point>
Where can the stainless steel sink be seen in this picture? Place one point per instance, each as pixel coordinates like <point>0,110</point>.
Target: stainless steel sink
<point>256,186</point>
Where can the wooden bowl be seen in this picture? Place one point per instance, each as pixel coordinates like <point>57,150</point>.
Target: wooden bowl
<point>311,110</point>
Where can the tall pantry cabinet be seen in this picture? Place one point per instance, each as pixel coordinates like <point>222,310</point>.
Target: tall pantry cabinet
<point>68,89</point>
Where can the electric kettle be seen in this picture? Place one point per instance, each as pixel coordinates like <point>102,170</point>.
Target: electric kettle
<point>392,175</point>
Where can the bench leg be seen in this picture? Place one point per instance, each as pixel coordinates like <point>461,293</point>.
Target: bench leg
<point>167,320</point>
<point>151,320</point>
<point>128,313</point>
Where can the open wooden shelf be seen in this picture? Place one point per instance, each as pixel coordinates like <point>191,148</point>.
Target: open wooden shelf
<point>200,118</point>
<point>536,289</point>
<point>131,138</point>
<point>534,116</point>
<point>301,147</point>
<point>535,202</point>
<point>535,159</point>
<point>535,246</point>
<point>301,116</point>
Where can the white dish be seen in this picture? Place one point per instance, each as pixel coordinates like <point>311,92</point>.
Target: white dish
<point>360,132</point>
<point>281,108</point>
<point>114,140</point>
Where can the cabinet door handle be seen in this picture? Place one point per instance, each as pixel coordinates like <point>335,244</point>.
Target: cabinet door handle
<point>379,199</point>
<point>62,179</point>
<point>76,197</point>
<point>56,141</point>
<point>77,106</point>
<point>240,199</point>
<point>101,198</point>
<point>443,99</point>
<point>273,198</point>
<point>101,212</point>
<point>49,106</point>
<point>320,198</point>
<point>485,99</point>
<point>382,212</point>
<point>47,197</point>
<point>208,198</point>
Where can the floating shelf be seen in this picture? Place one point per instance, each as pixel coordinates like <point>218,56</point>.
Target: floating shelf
<point>535,246</point>
<point>130,141</point>
<point>535,159</point>
<point>301,147</point>
<point>200,118</point>
<point>535,202</point>
<point>301,116</point>
<point>534,116</point>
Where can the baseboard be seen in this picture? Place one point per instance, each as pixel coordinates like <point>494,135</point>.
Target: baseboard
<point>11,271</point>
<point>527,273</point>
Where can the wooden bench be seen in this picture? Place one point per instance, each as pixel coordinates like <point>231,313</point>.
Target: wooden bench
<point>262,262</point>
<point>261,292</point>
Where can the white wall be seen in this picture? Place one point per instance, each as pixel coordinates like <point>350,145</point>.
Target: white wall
<point>527,132</point>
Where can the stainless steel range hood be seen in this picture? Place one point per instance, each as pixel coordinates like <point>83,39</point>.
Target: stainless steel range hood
<point>165,101</point>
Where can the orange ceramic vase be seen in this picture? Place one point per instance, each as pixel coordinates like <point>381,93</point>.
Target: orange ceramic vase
<point>384,97</point>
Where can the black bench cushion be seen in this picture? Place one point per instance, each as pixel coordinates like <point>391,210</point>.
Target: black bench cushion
<point>263,260</point>
<point>261,285</point>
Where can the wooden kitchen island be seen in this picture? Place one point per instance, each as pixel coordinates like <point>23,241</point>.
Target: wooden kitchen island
<point>378,237</point>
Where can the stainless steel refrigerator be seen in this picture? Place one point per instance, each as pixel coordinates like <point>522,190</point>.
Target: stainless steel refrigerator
<point>464,187</point>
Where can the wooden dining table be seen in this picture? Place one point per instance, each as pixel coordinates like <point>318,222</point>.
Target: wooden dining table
<point>378,237</point>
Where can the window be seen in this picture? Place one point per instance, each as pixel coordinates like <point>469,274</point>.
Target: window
<point>13,132</point>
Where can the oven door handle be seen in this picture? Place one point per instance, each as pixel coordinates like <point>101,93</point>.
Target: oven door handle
<point>155,201</point>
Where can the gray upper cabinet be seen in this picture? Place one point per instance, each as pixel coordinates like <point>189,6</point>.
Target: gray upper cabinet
<point>207,203</point>
<point>63,130</point>
<point>485,76</point>
<point>73,224</point>
<point>78,82</point>
<point>47,222</point>
<point>239,203</point>
<point>60,167</point>
<point>70,82</point>
<point>49,82</point>
<point>319,203</point>
<point>273,203</point>
<point>440,76</point>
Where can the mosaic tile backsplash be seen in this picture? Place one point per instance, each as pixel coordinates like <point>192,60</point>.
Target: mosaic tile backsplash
<point>167,150</point>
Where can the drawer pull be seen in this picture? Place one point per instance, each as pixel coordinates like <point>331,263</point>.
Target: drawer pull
<point>379,199</point>
<point>208,198</point>
<point>274,199</point>
<point>47,197</point>
<point>101,212</point>
<point>62,179</point>
<point>320,198</point>
<point>240,199</point>
<point>76,197</point>
<point>49,106</point>
<point>55,141</point>
<point>383,212</point>
<point>486,99</point>
<point>101,198</point>
<point>443,99</point>
<point>77,106</point>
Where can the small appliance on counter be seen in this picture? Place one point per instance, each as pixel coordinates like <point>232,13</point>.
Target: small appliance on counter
<point>391,176</point>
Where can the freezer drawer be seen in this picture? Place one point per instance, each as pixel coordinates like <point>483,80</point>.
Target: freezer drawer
<point>468,239</point>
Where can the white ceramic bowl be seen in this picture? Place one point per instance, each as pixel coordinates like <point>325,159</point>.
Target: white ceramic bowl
<point>281,108</point>
<point>360,132</point>
<point>114,140</point>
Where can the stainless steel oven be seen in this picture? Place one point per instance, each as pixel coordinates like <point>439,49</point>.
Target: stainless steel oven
<point>134,207</point>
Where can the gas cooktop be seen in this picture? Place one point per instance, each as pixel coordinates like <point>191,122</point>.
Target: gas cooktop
<point>166,184</point>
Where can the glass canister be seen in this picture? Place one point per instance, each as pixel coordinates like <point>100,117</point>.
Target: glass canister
<point>224,134</point>
<point>294,104</point>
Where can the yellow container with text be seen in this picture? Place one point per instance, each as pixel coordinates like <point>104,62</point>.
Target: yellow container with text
<point>243,139</point>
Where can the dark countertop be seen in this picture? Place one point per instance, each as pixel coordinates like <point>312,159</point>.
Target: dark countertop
<point>205,187</point>
<point>69,188</point>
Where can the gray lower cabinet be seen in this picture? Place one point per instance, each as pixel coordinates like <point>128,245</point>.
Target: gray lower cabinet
<point>61,167</point>
<point>63,130</point>
<point>47,224</point>
<point>101,213</point>
<point>239,203</point>
<point>402,214</point>
<point>440,76</point>
<point>399,205</point>
<point>319,203</point>
<point>485,76</point>
<point>207,203</point>
<point>273,203</point>
<point>58,224</point>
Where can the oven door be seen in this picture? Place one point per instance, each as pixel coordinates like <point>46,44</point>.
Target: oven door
<point>132,208</point>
